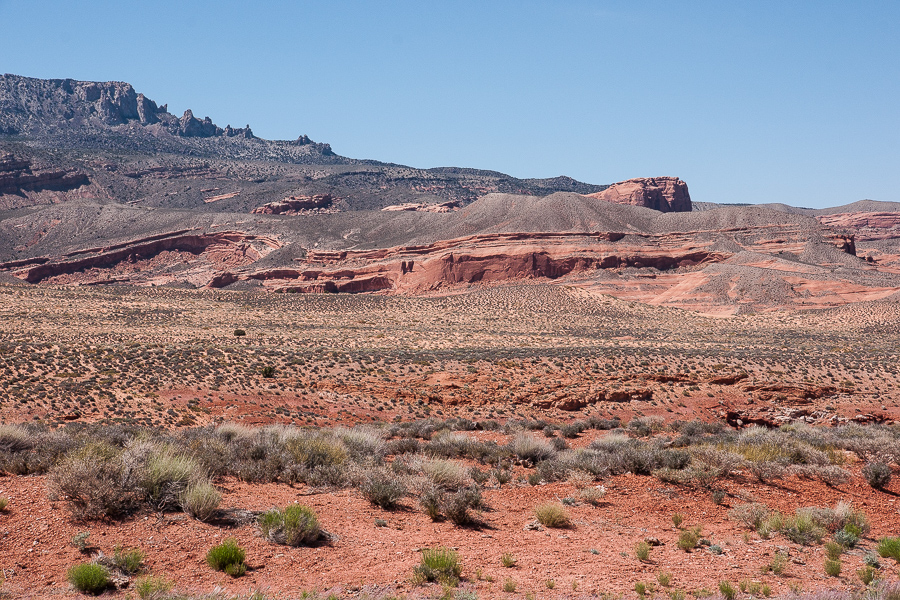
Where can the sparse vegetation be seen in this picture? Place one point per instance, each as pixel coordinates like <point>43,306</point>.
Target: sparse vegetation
<point>89,578</point>
<point>439,564</point>
<point>296,525</point>
<point>228,557</point>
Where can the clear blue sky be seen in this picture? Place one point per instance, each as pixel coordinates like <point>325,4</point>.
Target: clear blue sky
<point>758,101</point>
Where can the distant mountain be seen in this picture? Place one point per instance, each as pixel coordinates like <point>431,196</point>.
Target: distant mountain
<point>132,135</point>
<point>100,185</point>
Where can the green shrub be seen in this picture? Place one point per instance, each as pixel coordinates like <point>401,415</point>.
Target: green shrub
<point>508,560</point>
<point>439,564</point>
<point>802,528</point>
<point>153,587</point>
<point>509,585</point>
<point>832,567</point>
<point>889,547</point>
<point>866,575</point>
<point>877,474</point>
<point>294,526</point>
<point>778,564</point>
<point>689,538</point>
<point>642,551</point>
<point>728,591</point>
<point>552,515</point>
<point>227,556</point>
<point>89,578</point>
<point>239,333</point>
<point>664,578</point>
<point>128,562</point>
<point>833,550</point>
<point>200,500</point>
<point>677,520</point>
<point>4,502</point>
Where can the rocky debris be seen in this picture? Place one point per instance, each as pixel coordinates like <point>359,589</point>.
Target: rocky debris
<point>665,194</point>
<point>790,392</point>
<point>295,205</point>
<point>443,207</point>
<point>17,175</point>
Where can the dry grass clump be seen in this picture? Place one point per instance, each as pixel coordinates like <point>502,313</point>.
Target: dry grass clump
<point>553,515</point>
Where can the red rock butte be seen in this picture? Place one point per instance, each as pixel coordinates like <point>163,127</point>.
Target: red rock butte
<point>665,194</point>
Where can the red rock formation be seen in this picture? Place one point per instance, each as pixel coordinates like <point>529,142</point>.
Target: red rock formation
<point>665,194</point>
<point>232,242</point>
<point>294,205</point>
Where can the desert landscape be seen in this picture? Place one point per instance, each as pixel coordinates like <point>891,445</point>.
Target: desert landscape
<point>243,368</point>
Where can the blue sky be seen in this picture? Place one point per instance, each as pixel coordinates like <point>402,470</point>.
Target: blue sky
<point>795,102</point>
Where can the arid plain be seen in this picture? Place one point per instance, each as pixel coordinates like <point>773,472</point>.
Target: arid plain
<point>458,379</point>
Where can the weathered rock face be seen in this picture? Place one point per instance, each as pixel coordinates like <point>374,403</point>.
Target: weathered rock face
<point>16,176</point>
<point>295,205</point>
<point>28,104</point>
<point>665,194</point>
<point>443,207</point>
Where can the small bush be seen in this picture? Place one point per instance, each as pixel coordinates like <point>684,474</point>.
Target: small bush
<point>89,578</point>
<point>509,585</point>
<point>4,502</point>
<point>803,529</point>
<point>688,539</point>
<point>167,475</point>
<point>778,564</point>
<point>642,551</point>
<point>239,333</point>
<point>664,578</point>
<point>456,506</point>
<point>833,550</point>
<point>508,560</point>
<point>552,515</point>
<point>677,520</point>
<point>91,480</point>
<point>227,556</point>
<point>294,526</point>
<point>79,540</point>
<point>382,488</point>
<point>832,567</point>
<point>877,474</point>
<point>128,562</point>
<point>153,587</point>
<point>439,564</point>
<point>592,495</point>
<point>866,575</point>
<point>527,447</point>
<point>751,515</point>
<point>200,500</point>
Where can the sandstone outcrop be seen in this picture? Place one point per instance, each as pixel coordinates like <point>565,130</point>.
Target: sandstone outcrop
<point>224,249</point>
<point>665,194</point>
<point>295,205</point>
<point>443,207</point>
